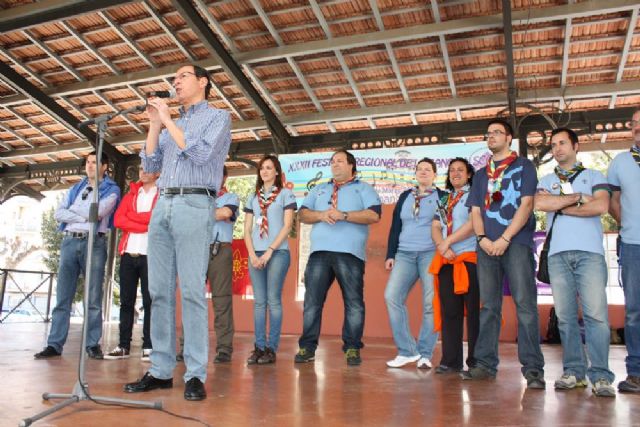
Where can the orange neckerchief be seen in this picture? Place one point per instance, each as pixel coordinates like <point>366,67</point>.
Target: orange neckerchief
<point>460,280</point>
<point>336,187</point>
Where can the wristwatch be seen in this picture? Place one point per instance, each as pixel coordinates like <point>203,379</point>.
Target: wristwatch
<point>480,237</point>
<point>345,215</point>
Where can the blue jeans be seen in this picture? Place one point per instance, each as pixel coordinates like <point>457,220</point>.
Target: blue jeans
<point>180,232</point>
<point>267,290</point>
<point>73,258</point>
<point>408,268</point>
<point>518,264</point>
<point>582,274</point>
<point>322,269</point>
<point>630,263</point>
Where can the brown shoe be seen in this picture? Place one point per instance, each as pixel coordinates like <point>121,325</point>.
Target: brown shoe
<point>269,356</point>
<point>255,355</point>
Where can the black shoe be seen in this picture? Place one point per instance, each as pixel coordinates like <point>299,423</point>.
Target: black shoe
<point>148,383</point>
<point>269,356</point>
<point>255,355</point>
<point>95,352</point>
<point>47,353</point>
<point>222,357</point>
<point>194,390</point>
<point>353,357</point>
<point>304,356</point>
<point>444,369</point>
<point>535,380</point>
<point>477,373</point>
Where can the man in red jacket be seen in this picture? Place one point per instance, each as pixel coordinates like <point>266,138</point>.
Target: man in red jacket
<point>132,217</point>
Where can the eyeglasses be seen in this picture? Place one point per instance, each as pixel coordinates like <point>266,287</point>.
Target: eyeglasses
<point>182,76</point>
<point>86,192</point>
<point>495,132</point>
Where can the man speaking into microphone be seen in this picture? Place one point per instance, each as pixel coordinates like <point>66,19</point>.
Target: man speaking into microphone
<point>190,153</point>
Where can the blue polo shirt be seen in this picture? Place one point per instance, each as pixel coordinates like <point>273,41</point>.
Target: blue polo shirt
<point>518,180</point>
<point>568,227</point>
<point>224,229</point>
<point>624,176</point>
<point>275,216</point>
<point>415,234</point>
<point>461,215</point>
<point>343,236</point>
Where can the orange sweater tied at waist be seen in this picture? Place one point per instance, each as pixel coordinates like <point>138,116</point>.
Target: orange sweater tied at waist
<point>460,280</point>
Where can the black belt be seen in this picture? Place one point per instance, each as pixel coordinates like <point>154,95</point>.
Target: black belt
<point>80,234</point>
<point>173,191</point>
<point>134,255</point>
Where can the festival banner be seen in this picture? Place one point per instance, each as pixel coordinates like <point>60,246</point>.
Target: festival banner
<point>389,170</point>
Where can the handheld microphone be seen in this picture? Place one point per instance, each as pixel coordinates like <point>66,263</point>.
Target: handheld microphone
<point>171,93</point>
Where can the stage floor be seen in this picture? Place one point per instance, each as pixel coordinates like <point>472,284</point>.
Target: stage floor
<point>326,392</point>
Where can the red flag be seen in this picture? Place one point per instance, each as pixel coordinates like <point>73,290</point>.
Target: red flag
<point>241,280</point>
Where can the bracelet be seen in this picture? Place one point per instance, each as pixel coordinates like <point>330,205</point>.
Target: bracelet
<point>505,239</point>
<point>272,250</point>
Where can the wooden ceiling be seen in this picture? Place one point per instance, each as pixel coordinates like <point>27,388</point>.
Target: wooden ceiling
<point>321,66</point>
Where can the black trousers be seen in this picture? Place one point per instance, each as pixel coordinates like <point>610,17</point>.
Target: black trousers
<point>452,307</point>
<point>132,270</point>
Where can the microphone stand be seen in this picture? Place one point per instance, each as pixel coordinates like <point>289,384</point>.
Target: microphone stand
<point>81,388</point>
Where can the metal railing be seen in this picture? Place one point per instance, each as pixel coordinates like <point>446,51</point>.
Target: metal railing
<point>8,276</point>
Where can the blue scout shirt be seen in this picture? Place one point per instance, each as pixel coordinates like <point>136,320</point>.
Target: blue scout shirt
<point>568,227</point>
<point>624,176</point>
<point>275,216</point>
<point>461,214</point>
<point>408,233</point>
<point>223,230</point>
<point>518,180</point>
<point>343,236</point>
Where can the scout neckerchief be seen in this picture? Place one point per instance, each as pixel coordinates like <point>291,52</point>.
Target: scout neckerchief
<point>264,202</point>
<point>494,175</point>
<point>565,175</point>
<point>635,152</point>
<point>336,187</point>
<point>417,197</point>
<point>452,201</point>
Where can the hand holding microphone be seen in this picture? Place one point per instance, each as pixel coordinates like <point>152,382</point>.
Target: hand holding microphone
<point>157,107</point>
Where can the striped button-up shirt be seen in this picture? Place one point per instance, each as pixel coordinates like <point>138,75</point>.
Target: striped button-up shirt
<point>207,136</point>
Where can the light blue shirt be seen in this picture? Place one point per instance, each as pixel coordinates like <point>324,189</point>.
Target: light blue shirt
<point>275,216</point>
<point>76,216</point>
<point>461,215</point>
<point>343,236</point>
<point>415,235</point>
<point>223,230</point>
<point>574,233</point>
<point>624,176</point>
<point>207,135</point>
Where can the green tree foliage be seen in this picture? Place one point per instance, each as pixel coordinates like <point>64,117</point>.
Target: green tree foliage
<point>51,242</point>
<point>242,187</point>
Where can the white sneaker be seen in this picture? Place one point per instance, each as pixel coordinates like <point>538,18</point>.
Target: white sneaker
<point>569,382</point>
<point>424,363</point>
<point>146,354</point>
<point>603,388</point>
<point>401,361</point>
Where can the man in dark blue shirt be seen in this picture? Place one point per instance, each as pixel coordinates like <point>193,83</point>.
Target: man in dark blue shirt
<point>501,203</point>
